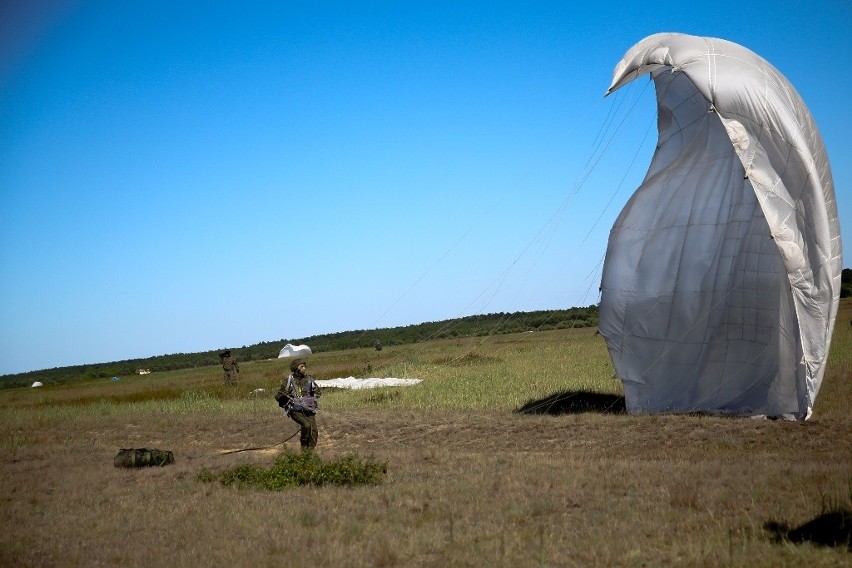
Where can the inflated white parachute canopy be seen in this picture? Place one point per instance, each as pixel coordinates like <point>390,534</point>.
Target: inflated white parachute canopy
<point>722,275</point>
<point>291,350</point>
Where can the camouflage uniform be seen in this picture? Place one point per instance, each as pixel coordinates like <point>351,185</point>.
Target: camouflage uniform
<point>299,397</point>
<point>229,364</point>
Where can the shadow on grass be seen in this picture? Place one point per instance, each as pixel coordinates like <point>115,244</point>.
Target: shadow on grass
<point>575,402</point>
<point>828,529</point>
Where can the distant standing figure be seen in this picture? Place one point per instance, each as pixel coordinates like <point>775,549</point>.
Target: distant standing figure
<point>299,397</point>
<point>229,364</point>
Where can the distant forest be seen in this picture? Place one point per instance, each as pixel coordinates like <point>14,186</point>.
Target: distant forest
<point>470,326</point>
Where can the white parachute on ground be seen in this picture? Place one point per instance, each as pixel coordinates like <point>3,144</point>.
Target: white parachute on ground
<point>37,384</point>
<point>369,383</point>
<point>294,351</point>
<point>722,274</point>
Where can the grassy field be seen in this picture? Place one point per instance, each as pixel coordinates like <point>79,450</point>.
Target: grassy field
<point>470,481</point>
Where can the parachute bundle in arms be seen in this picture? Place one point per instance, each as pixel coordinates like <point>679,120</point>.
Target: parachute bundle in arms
<point>722,275</point>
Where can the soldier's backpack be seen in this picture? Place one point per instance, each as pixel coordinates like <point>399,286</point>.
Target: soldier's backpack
<point>143,457</point>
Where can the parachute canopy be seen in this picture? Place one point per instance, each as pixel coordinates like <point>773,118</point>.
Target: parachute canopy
<point>368,383</point>
<point>722,274</point>
<point>290,350</point>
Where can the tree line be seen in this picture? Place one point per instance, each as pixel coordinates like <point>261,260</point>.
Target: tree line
<point>469,326</point>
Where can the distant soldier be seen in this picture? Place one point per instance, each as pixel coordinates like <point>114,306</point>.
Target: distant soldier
<point>229,364</point>
<point>299,397</point>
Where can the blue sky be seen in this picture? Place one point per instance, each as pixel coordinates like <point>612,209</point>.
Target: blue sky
<point>187,176</point>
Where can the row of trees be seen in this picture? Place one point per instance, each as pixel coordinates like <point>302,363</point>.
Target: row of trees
<point>471,326</point>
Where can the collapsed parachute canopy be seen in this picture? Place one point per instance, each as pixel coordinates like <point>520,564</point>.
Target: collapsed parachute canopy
<point>722,275</point>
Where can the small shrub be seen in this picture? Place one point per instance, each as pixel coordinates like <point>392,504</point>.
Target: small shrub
<point>303,468</point>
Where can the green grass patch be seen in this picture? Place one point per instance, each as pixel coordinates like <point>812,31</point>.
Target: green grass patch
<point>301,468</point>
<point>154,395</point>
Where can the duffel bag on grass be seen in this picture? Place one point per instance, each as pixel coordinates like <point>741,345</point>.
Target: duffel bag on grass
<point>142,457</point>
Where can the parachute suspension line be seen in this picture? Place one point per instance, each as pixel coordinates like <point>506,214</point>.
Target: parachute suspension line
<point>544,237</point>
<point>592,164</point>
<point>589,278</point>
<point>425,273</point>
<point>596,269</point>
<point>548,229</point>
<point>585,115</point>
<point>623,178</point>
<point>600,150</point>
<point>612,112</point>
<point>499,281</point>
<point>415,283</point>
<point>545,234</point>
<point>262,447</point>
<point>603,140</point>
<point>601,144</point>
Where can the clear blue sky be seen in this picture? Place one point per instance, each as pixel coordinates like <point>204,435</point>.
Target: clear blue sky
<point>186,176</point>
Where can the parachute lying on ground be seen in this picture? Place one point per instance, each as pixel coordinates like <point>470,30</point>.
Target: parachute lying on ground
<point>367,383</point>
<point>294,351</point>
<point>722,274</point>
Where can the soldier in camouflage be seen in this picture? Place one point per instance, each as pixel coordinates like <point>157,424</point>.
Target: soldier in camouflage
<point>299,397</point>
<point>229,364</point>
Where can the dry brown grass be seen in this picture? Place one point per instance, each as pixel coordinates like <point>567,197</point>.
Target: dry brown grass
<point>465,486</point>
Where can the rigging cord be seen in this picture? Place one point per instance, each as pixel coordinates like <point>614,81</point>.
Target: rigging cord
<point>602,142</point>
<point>262,447</point>
<point>556,219</point>
<point>542,239</point>
<point>621,183</point>
<point>545,235</point>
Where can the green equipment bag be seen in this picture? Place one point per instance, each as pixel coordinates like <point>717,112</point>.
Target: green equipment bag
<point>143,457</point>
